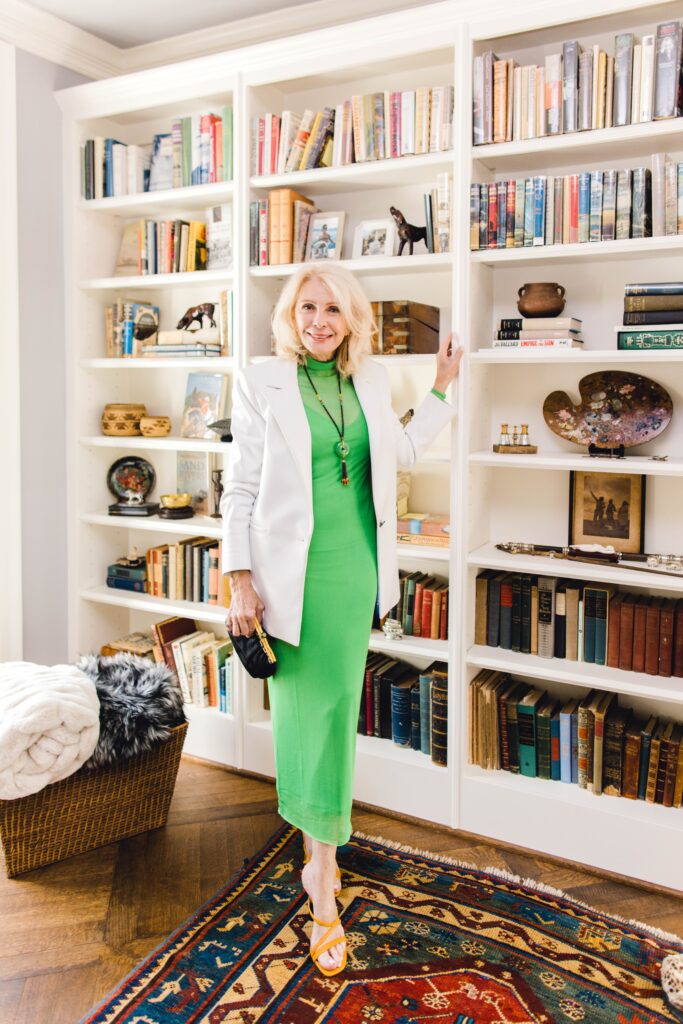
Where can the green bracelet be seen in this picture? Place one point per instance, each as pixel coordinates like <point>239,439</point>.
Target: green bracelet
<point>439,394</point>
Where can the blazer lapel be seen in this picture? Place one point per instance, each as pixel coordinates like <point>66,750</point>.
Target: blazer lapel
<point>369,399</point>
<point>282,391</point>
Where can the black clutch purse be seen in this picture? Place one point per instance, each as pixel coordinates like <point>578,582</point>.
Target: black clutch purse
<point>255,652</point>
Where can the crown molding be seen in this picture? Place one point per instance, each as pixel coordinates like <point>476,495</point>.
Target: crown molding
<point>46,36</point>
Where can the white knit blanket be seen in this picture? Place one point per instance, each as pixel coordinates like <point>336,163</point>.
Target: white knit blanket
<point>49,725</point>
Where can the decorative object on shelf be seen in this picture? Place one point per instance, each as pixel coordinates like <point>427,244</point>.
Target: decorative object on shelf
<point>610,506</point>
<point>217,481</point>
<point>600,554</point>
<point>255,652</point>
<point>131,479</point>
<point>176,506</point>
<point>392,629</point>
<point>196,314</point>
<point>155,426</point>
<point>405,326</point>
<point>407,233</point>
<point>517,445</point>
<point>541,299</point>
<point>193,475</point>
<point>122,419</point>
<point>617,410</point>
<point>206,395</point>
<point>222,428</point>
<point>375,238</point>
<point>325,234</point>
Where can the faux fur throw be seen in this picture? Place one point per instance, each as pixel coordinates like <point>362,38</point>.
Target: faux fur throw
<point>49,723</point>
<point>140,702</point>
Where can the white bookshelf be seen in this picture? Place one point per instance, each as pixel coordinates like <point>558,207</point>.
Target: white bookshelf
<point>490,498</point>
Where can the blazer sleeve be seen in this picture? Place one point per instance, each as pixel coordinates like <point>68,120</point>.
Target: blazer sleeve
<point>430,417</point>
<point>243,477</point>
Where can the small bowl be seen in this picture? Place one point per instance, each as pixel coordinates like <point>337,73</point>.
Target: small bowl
<point>176,500</point>
<point>155,426</point>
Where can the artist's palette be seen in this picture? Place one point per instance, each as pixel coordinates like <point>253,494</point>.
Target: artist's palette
<point>616,408</point>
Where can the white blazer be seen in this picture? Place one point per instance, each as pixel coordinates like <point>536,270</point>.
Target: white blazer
<point>267,504</point>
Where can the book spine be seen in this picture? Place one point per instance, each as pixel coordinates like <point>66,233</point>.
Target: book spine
<point>539,210</point>
<point>543,747</point>
<point>601,609</point>
<point>583,740</point>
<point>609,206</point>
<point>667,89</point>
<point>570,85</point>
<point>623,218</point>
<point>526,732</point>
<point>585,206</point>
<point>400,715</point>
<point>595,229</point>
<point>650,339</point>
<point>425,714</point>
<point>546,616</point>
<point>565,747</point>
<point>661,316</point>
<point>585,90</point>
<point>641,203</point>
<point>589,597</point>
<point>513,736</point>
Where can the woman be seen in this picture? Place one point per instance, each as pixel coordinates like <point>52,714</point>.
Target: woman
<point>309,545</point>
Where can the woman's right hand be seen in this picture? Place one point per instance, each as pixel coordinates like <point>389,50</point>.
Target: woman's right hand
<point>245,604</point>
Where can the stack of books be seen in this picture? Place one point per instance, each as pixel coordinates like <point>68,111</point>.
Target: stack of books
<point>188,571</point>
<point>377,126</point>
<point>657,306</point>
<point>427,529</point>
<point>539,332</point>
<point>589,740</point>
<point>162,247</point>
<point>406,705</point>
<point>422,609</point>
<point>576,89</point>
<point>200,660</point>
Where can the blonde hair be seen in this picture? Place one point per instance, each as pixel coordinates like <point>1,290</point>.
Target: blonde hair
<point>352,302</point>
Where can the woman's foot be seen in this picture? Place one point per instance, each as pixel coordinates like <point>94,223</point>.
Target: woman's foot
<point>321,895</point>
<point>307,857</point>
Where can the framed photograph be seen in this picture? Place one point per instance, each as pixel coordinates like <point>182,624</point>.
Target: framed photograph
<point>325,233</point>
<point>607,508</point>
<point>375,238</point>
<point>205,399</point>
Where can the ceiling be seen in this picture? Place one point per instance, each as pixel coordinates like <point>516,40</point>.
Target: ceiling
<point>132,22</point>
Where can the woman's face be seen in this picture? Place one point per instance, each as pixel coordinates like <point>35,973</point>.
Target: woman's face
<point>319,321</point>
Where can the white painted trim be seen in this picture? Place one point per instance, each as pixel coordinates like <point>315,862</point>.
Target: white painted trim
<point>11,618</point>
<point>56,40</point>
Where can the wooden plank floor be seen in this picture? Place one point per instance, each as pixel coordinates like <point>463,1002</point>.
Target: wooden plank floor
<point>71,931</point>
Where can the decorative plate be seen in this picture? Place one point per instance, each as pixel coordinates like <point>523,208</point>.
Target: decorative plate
<point>131,477</point>
<point>616,408</point>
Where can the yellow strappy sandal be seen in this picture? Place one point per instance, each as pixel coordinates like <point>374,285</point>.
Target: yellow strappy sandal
<point>325,943</point>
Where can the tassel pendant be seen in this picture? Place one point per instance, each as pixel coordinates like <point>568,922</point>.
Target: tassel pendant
<point>345,475</point>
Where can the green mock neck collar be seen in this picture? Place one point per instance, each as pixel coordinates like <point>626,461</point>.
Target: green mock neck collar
<point>320,366</point>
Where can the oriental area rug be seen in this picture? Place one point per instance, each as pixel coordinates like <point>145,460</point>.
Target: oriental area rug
<point>429,940</point>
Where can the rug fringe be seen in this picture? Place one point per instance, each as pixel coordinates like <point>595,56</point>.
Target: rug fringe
<point>529,883</point>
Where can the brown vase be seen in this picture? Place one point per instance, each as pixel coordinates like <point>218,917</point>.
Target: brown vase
<point>540,299</point>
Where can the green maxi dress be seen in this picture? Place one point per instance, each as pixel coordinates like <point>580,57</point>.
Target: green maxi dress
<point>315,694</point>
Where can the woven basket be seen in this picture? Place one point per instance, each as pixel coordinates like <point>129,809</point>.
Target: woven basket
<point>90,808</point>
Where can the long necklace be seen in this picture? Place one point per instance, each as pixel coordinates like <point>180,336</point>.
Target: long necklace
<point>341,447</point>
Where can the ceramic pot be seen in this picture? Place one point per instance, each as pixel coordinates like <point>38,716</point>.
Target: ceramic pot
<point>155,426</point>
<point>122,419</point>
<point>540,299</point>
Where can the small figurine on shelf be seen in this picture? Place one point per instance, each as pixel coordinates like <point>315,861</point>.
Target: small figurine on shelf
<point>217,481</point>
<point>197,313</point>
<point>504,436</point>
<point>523,438</point>
<point>409,233</point>
<point>517,444</point>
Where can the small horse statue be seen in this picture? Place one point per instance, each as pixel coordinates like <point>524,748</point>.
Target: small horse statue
<point>197,313</point>
<point>409,233</point>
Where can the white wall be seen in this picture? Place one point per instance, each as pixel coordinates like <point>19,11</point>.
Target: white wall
<point>42,355</point>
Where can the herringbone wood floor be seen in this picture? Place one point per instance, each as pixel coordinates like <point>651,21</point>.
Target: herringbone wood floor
<point>71,931</point>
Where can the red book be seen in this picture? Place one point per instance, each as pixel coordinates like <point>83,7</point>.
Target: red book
<point>573,207</point>
<point>626,633</point>
<point>417,604</point>
<point>613,630</point>
<point>639,621</point>
<point>426,624</point>
<point>666,636</point>
<point>443,623</point>
<point>274,143</point>
<point>493,215</point>
<point>510,213</point>
<point>677,669</point>
<point>261,138</point>
<point>652,636</point>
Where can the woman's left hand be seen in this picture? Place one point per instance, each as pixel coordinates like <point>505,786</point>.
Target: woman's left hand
<point>448,360</point>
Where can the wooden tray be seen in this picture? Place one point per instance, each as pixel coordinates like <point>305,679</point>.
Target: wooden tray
<point>515,449</point>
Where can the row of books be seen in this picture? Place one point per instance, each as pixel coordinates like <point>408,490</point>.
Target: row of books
<point>177,246</point>
<point>375,126</point>
<point>578,90</point>
<point>422,608</point>
<point>188,570</point>
<point>426,529</point>
<point>132,330</point>
<point>539,332</point>
<point>592,206</point>
<point>200,660</point>
<point>662,303</point>
<point>589,741</point>
<point>197,151</point>
<point>577,621</point>
<point>406,705</point>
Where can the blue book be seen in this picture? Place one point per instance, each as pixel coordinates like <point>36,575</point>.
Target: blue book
<point>539,210</point>
<point>415,730</point>
<point>566,739</point>
<point>555,747</point>
<point>584,206</point>
<point>205,576</point>
<point>574,744</point>
<point>120,584</point>
<point>221,688</point>
<point>502,215</point>
<point>645,743</point>
<point>589,597</point>
<point>529,212</point>
<point>425,712</point>
<point>602,598</point>
<point>526,732</point>
<point>400,712</point>
<point>108,167</point>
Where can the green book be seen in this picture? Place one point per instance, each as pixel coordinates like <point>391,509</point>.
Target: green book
<point>226,117</point>
<point>671,337</point>
<point>544,713</point>
<point>526,732</point>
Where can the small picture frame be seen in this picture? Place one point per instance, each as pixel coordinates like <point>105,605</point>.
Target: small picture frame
<point>607,508</point>
<point>325,235</point>
<point>375,238</point>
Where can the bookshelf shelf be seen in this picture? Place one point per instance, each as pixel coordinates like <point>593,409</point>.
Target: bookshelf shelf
<point>218,364</point>
<point>568,460</point>
<point>159,444</point>
<point>407,170</point>
<point>154,605</point>
<point>203,526</point>
<point>578,673</point>
<point>607,356</point>
<point>624,249</point>
<point>423,263</point>
<point>197,278</point>
<point>162,202</point>
<point>410,645</point>
<point>423,553</point>
<point>632,142</point>
<point>488,557</point>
